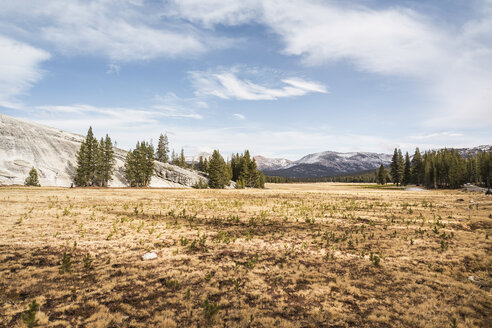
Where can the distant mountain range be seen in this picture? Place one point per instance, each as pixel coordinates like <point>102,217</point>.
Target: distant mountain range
<point>330,163</point>
<point>467,152</point>
<point>322,164</point>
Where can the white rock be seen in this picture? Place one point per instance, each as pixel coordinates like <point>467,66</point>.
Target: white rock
<point>53,153</point>
<point>149,256</point>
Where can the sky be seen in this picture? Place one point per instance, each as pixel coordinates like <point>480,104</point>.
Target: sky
<point>281,78</point>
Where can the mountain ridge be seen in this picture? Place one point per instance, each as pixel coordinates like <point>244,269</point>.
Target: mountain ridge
<point>330,163</point>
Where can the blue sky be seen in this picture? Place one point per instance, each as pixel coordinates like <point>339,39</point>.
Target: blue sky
<point>281,78</point>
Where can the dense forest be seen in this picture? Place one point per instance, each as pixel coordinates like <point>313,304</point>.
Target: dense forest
<point>444,168</point>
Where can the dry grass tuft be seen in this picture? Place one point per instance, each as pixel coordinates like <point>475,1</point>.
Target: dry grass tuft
<point>301,255</point>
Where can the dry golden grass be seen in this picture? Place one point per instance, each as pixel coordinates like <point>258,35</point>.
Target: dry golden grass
<point>306,255</point>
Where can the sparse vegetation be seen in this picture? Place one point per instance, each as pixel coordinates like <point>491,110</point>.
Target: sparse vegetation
<point>32,179</point>
<point>303,255</point>
<point>29,317</point>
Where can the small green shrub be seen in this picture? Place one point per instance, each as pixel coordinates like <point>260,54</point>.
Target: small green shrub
<point>201,184</point>
<point>209,309</point>
<point>87,259</point>
<point>29,317</point>
<point>66,263</point>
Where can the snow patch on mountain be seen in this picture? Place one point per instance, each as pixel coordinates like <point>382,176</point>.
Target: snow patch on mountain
<point>325,163</point>
<point>265,163</point>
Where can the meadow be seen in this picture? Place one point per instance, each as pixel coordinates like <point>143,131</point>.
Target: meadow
<point>291,255</point>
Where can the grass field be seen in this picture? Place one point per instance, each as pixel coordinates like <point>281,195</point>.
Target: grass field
<point>293,255</point>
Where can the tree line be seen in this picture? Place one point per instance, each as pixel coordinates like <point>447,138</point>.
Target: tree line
<point>241,168</point>
<point>95,165</point>
<point>358,177</point>
<point>95,161</point>
<point>444,168</point>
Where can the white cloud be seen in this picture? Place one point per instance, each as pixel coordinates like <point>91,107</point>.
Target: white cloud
<point>121,30</point>
<point>445,134</point>
<point>113,69</point>
<point>452,64</point>
<point>239,116</point>
<point>19,69</point>
<point>212,12</point>
<point>227,85</point>
<point>173,106</point>
<point>169,106</point>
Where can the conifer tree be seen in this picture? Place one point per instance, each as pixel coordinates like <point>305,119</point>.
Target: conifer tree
<point>244,171</point>
<point>217,173</point>
<point>87,161</point>
<point>162,152</point>
<point>261,180</point>
<point>253,175</point>
<point>206,165</point>
<point>139,165</point>
<point>417,168</point>
<point>147,162</point>
<point>182,158</point>
<point>108,161</point>
<point>174,159</point>
<point>201,166</point>
<point>32,179</point>
<point>381,179</point>
<point>407,171</point>
<point>397,167</point>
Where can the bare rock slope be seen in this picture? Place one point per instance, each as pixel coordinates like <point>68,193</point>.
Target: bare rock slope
<point>52,152</point>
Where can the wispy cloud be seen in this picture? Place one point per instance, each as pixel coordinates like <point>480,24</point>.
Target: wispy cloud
<point>113,69</point>
<point>173,106</point>
<point>19,69</point>
<point>451,64</point>
<point>239,116</point>
<point>445,134</point>
<point>227,85</point>
<point>120,30</point>
<point>169,106</point>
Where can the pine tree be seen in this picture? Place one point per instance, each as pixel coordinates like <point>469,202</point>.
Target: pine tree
<point>162,152</point>
<point>130,169</point>
<point>206,165</point>
<point>148,162</point>
<point>397,167</point>
<point>407,171</point>
<point>261,180</point>
<point>201,166</point>
<point>217,175</point>
<point>244,171</point>
<point>174,159</point>
<point>182,159</point>
<point>253,175</point>
<point>108,161</point>
<point>417,168</point>
<point>244,168</point>
<point>381,179</point>
<point>32,179</point>
<point>139,165</point>
<point>87,161</point>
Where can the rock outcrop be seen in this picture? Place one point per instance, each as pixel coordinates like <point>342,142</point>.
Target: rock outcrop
<point>52,152</point>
